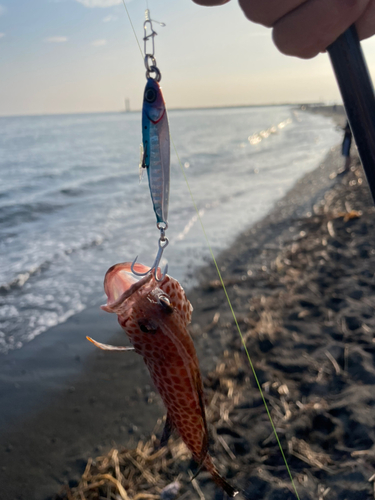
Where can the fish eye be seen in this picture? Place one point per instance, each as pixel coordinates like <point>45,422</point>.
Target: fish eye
<point>166,304</point>
<point>150,95</point>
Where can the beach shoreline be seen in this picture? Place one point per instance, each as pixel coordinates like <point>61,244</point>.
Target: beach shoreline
<point>98,403</point>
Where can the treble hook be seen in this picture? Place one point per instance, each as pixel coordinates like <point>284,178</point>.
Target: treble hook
<point>163,243</point>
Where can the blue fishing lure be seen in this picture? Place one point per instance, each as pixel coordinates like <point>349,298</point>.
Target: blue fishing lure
<point>156,148</point>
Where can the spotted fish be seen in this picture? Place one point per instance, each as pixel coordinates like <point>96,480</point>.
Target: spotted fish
<point>155,315</point>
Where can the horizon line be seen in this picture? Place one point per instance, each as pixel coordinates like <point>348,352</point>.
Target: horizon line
<point>193,108</point>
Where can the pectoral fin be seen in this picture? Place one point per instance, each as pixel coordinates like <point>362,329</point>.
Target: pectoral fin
<point>106,347</point>
<point>168,428</point>
<point>204,450</point>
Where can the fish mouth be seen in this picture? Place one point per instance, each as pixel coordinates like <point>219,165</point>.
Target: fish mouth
<point>120,283</point>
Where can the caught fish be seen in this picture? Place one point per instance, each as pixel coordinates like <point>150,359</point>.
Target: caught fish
<point>155,315</point>
<point>156,148</point>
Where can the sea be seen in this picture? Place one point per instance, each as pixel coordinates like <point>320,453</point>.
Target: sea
<point>72,203</point>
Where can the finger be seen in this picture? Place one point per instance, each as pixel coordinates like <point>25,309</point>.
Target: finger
<point>210,3</point>
<point>267,12</point>
<point>366,23</point>
<point>314,25</point>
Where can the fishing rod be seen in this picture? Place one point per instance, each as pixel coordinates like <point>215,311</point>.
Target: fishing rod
<point>358,96</point>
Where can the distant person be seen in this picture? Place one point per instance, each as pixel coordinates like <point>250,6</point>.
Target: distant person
<point>303,28</point>
<point>346,144</point>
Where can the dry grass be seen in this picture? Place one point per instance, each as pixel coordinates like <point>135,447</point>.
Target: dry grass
<point>148,472</point>
<point>127,474</point>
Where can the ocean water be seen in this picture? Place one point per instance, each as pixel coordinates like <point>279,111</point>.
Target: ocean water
<point>71,204</point>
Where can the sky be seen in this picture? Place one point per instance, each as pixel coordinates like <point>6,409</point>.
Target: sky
<point>74,56</point>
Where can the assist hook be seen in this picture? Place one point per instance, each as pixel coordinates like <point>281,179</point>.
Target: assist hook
<point>163,243</point>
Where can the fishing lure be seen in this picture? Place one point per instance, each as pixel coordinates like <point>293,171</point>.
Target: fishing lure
<point>156,142</point>
<point>155,315</point>
<point>156,149</point>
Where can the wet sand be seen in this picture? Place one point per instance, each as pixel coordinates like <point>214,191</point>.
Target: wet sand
<point>301,283</point>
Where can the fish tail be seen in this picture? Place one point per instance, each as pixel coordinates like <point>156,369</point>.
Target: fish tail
<point>218,479</point>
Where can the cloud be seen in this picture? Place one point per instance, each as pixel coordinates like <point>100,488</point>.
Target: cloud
<point>2,9</point>
<point>2,35</point>
<point>99,43</point>
<point>56,39</point>
<point>99,3</point>
<point>108,19</point>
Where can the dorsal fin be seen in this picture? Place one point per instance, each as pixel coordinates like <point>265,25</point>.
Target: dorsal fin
<point>168,428</point>
<point>204,449</point>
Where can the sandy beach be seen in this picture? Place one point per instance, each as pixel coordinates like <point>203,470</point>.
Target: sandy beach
<point>301,284</point>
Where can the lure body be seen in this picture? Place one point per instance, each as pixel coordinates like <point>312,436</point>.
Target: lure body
<point>155,315</point>
<point>156,148</point>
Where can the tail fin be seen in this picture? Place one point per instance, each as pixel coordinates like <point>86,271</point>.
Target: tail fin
<point>218,479</point>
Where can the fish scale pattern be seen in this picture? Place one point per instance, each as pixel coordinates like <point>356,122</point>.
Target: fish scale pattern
<point>155,316</point>
<point>172,362</point>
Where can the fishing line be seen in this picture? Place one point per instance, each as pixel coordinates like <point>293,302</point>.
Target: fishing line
<point>226,295</point>
<point>236,323</point>
<point>131,24</point>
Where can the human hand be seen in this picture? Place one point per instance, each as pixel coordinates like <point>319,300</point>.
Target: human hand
<point>303,28</point>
